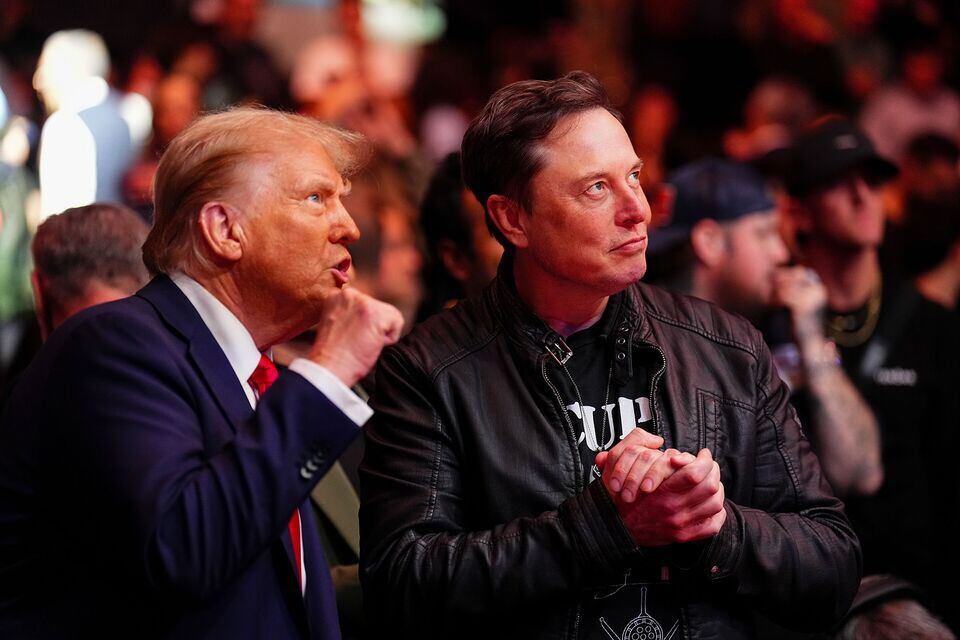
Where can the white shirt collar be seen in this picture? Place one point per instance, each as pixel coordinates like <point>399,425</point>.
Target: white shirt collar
<point>234,339</point>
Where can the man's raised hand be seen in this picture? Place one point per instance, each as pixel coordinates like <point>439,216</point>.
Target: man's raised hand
<point>352,331</point>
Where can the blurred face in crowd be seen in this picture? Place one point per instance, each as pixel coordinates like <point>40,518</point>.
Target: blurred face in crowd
<point>198,60</point>
<point>472,259</point>
<point>587,227</point>
<point>935,179</point>
<point>847,214</point>
<point>754,250</point>
<point>176,104</point>
<point>239,18</point>
<point>653,115</point>
<point>922,71</point>
<point>485,251</point>
<point>326,81</point>
<point>860,15</point>
<point>399,260</point>
<point>294,228</point>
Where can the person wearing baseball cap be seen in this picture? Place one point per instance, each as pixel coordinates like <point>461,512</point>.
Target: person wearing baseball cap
<point>722,241</point>
<point>901,351</point>
<point>723,244</point>
<point>829,151</point>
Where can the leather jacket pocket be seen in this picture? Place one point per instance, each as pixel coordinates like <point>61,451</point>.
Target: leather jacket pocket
<point>725,426</point>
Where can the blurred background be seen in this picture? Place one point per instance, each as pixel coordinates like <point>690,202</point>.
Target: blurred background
<point>93,91</point>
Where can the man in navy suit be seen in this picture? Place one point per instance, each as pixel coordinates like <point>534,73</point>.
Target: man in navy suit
<point>154,467</point>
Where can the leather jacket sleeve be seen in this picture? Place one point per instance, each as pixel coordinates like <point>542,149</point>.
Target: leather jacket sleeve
<point>793,554</point>
<point>421,558</point>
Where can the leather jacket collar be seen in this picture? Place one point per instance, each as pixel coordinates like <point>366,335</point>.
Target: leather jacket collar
<point>530,331</point>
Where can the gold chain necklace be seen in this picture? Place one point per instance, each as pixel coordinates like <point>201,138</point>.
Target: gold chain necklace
<point>842,328</point>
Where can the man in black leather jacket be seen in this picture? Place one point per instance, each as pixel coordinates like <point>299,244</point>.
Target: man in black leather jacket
<point>573,454</point>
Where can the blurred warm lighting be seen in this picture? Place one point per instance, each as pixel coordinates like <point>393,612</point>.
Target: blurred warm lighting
<point>403,21</point>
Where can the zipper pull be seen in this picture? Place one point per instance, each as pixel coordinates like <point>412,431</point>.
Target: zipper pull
<point>557,348</point>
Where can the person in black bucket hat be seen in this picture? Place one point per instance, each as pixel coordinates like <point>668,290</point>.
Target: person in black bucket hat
<point>901,351</point>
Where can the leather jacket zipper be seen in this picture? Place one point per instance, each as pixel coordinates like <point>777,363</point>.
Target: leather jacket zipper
<point>561,353</point>
<point>657,427</point>
<point>571,432</point>
<point>557,348</point>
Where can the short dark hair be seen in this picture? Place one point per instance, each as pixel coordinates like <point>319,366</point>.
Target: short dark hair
<point>895,619</point>
<point>930,229</point>
<point>930,147</point>
<point>501,147</point>
<point>443,217</point>
<point>100,241</point>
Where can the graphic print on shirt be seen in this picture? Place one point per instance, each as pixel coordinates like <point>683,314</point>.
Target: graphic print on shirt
<point>643,626</point>
<point>622,417</point>
<point>637,607</point>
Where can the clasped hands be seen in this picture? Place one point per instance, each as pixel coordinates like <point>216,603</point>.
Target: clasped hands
<point>663,497</point>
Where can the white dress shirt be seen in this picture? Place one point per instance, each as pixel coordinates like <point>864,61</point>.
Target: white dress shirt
<point>242,353</point>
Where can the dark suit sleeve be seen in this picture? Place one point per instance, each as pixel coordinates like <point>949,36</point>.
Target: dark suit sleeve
<point>181,513</point>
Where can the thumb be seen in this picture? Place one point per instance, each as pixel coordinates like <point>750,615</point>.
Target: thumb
<point>601,459</point>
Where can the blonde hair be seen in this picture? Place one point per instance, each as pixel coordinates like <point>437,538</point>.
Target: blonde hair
<point>203,162</point>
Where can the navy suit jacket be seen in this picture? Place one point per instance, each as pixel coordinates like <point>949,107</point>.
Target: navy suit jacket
<point>141,496</point>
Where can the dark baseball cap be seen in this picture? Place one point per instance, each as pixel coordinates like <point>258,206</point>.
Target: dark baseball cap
<point>710,189</point>
<point>829,150</point>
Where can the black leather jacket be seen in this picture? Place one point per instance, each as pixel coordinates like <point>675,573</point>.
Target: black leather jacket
<point>475,517</point>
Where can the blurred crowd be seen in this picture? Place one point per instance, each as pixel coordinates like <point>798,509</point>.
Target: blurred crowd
<point>90,97</point>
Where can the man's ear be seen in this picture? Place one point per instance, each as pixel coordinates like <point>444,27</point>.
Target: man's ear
<point>508,216</point>
<point>222,234</point>
<point>799,214</point>
<point>454,261</point>
<point>709,243</point>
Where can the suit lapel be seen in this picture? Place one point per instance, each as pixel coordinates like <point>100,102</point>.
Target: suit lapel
<point>207,356</point>
<point>212,364</point>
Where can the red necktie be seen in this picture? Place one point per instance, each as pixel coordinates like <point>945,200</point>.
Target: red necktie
<point>263,376</point>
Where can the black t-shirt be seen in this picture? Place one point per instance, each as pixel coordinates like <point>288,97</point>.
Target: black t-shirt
<point>634,604</point>
<point>602,411</point>
<point>909,528</point>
